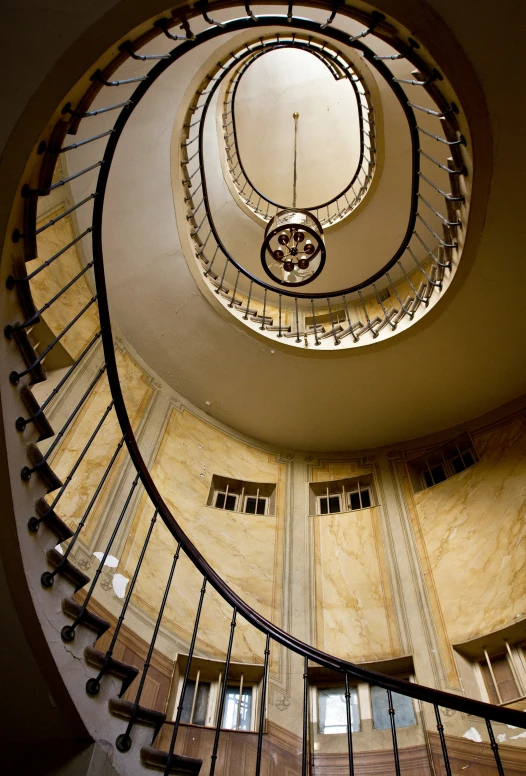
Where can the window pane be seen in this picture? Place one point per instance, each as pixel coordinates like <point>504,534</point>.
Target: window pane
<point>504,678</point>
<point>187,701</point>
<point>246,709</point>
<point>354,500</point>
<point>201,703</point>
<point>250,505</point>
<point>468,458</point>
<point>323,506</point>
<point>231,709</point>
<point>427,478</point>
<point>220,500</point>
<point>231,503</point>
<point>458,464</point>
<point>332,712</point>
<point>262,503</point>
<point>334,504</point>
<point>438,473</point>
<point>403,706</point>
<point>366,498</point>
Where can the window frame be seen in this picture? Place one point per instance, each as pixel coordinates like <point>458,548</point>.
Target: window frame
<point>226,494</point>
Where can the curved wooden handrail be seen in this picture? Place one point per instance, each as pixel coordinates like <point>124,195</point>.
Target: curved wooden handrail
<point>419,692</point>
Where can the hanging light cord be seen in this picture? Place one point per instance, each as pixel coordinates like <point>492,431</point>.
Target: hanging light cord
<point>295,116</point>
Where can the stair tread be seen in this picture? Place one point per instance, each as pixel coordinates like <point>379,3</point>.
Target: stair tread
<point>95,658</point>
<point>181,764</point>
<point>44,470</point>
<point>123,709</point>
<point>53,521</point>
<point>91,620</point>
<point>38,373</point>
<point>68,570</point>
<point>41,423</point>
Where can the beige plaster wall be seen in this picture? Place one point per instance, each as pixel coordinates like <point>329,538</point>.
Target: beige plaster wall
<point>245,550</point>
<point>472,527</point>
<point>73,503</point>
<point>354,610</point>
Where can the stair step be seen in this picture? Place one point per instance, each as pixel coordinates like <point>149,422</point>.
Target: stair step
<point>72,608</point>
<point>40,422</point>
<point>29,354</point>
<point>123,709</point>
<point>181,765</point>
<point>44,470</point>
<point>23,288</point>
<point>55,524</point>
<point>95,658</point>
<point>69,571</point>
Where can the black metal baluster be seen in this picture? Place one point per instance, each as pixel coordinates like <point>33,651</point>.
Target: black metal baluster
<point>10,329</point>
<point>262,327</point>
<point>17,234</point>
<point>68,631</point>
<point>393,732</point>
<point>349,725</point>
<point>440,728</point>
<point>14,377</point>
<point>124,741</point>
<point>349,322</point>
<point>297,321</point>
<point>262,706</point>
<point>48,576</point>
<point>33,522</point>
<point>27,471</point>
<point>279,331</point>
<point>495,748</point>
<point>213,756</point>
<point>245,317</point>
<point>12,281</point>
<point>177,720</point>
<point>316,340</point>
<point>305,740</point>
<point>231,303</point>
<point>93,684</point>
<point>336,340</point>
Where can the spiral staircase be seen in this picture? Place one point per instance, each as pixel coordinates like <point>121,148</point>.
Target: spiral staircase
<point>53,595</point>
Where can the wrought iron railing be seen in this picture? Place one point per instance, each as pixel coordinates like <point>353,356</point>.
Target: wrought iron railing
<point>34,423</point>
<point>410,281</point>
<point>342,204</point>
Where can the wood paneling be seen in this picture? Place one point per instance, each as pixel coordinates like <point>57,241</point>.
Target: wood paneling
<point>476,759</point>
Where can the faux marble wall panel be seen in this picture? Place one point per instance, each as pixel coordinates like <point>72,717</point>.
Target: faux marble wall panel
<point>474,530</point>
<point>52,279</point>
<point>354,609</point>
<point>137,393</point>
<point>245,550</point>
<point>354,617</point>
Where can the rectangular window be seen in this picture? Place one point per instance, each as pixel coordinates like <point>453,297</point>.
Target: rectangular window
<point>225,500</point>
<point>402,705</point>
<point>499,680</point>
<point>238,708</point>
<point>195,705</point>
<point>329,505</point>
<point>441,463</point>
<point>332,710</point>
